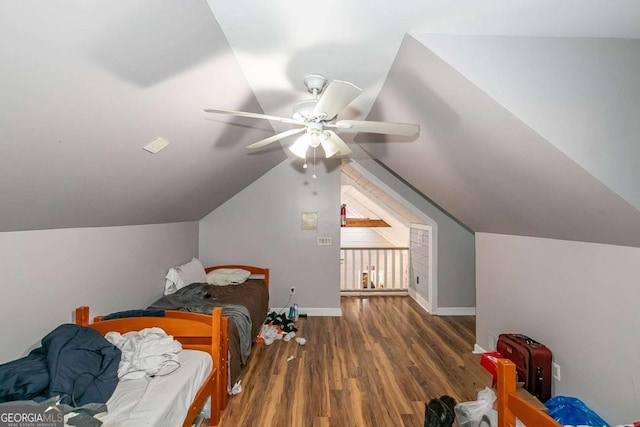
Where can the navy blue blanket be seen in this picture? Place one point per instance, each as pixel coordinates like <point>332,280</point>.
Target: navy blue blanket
<point>75,362</point>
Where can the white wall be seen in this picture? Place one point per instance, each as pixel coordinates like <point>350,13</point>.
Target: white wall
<point>47,274</point>
<point>261,225</point>
<point>362,237</point>
<point>581,300</point>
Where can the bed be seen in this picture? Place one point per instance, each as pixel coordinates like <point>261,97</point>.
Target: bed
<point>138,402</point>
<point>253,295</point>
<point>510,405</point>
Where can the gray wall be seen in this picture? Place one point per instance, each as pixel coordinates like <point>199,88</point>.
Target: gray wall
<point>47,274</point>
<point>581,300</point>
<point>261,225</point>
<point>455,257</point>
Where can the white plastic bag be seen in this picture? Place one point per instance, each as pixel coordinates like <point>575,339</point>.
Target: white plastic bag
<point>470,414</point>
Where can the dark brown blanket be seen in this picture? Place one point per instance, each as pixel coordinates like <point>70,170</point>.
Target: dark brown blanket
<point>254,295</point>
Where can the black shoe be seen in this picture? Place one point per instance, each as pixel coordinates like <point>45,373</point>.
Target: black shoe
<point>450,416</point>
<point>439,412</point>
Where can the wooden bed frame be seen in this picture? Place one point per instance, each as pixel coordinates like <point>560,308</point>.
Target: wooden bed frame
<point>510,405</point>
<point>194,331</point>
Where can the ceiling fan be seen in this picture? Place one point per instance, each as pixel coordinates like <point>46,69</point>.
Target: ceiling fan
<point>318,119</point>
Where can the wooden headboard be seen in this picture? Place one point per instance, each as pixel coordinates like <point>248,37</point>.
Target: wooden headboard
<point>510,405</point>
<point>251,268</point>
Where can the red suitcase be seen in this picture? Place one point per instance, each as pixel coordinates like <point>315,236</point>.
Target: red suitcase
<point>532,360</point>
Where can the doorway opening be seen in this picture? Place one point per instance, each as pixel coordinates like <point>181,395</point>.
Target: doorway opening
<point>378,238</point>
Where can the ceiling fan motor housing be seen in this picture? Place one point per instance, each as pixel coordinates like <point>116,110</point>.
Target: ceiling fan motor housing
<point>303,109</point>
<point>315,83</point>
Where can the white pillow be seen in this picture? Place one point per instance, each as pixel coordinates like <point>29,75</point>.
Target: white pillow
<point>227,276</point>
<point>186,274</point>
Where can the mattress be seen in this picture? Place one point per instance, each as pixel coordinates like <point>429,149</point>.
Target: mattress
<point>161,400</point>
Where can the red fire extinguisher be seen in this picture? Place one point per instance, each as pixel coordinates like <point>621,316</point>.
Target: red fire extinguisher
<point>343,215</point>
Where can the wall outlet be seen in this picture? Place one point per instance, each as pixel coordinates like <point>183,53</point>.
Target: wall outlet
<point>292,290</point>
<point>555,371</point>
<point>324,241</point>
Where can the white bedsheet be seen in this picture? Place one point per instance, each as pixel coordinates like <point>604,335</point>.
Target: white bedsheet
<point>160,401</point>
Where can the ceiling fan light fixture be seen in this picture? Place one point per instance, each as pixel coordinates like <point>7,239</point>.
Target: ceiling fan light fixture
<point>314,139</point>
<point>300,147</point>
<point>329,146</point>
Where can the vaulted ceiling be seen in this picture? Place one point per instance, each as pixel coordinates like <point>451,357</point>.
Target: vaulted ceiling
<point>528,111</point>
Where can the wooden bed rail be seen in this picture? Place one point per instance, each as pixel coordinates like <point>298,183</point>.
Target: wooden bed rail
<point>510,405</point>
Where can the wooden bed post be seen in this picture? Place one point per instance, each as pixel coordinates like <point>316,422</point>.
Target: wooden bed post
<point>506,385</point>
<point>82,316</point>
<point>224,350</point>
<point>216,325</point>
<point>510,405</point>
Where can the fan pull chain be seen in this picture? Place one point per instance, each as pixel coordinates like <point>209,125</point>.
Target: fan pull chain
<point>314,176</point>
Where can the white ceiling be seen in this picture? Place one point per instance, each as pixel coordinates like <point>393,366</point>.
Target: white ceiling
<point>277,43</point>
<point>84,85</point>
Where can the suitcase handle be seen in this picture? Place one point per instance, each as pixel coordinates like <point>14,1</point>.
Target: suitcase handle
<point>530,341</point>
<point>539,380</point>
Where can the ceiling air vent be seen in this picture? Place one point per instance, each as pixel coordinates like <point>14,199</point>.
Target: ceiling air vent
<point>156,145</point>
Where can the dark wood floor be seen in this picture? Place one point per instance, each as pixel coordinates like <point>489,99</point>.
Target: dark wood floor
<point>374,366</point>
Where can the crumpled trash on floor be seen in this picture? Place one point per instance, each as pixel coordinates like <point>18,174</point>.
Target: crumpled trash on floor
<point>236,389</point>
<point>276,327</point>
<point>269,334</point>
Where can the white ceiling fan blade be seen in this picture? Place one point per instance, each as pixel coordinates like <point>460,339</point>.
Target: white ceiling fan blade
<point>275,138</point>
<point>335,98</point>
<point>388,128</point>
<point>337,142</point>
<point>254,116</point>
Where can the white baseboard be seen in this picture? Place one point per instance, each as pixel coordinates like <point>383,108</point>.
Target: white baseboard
<point>419,299</point>
<point>456,311</point>
<point>478,350</point>
<point>442,311</point>
<point>312,311</point>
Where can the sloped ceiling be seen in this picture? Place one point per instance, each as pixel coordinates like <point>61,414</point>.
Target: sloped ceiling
<point>360,205</point>
<point>488,167</point>
<point>85,85</point>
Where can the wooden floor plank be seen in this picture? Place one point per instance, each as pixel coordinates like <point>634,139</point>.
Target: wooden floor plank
<point>376,365</point>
